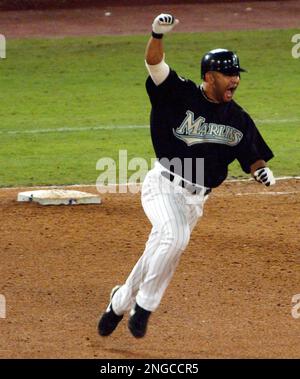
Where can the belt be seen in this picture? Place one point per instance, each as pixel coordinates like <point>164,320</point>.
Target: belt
<point>194,189</point>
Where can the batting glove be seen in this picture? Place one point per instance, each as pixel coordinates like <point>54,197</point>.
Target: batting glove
<point>264,175</point>
<point>164,23</point>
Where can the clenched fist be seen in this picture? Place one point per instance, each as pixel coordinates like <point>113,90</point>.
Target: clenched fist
<point>164,23</point>
<point>264,175</point>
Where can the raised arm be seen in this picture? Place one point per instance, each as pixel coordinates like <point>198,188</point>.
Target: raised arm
<point>154,55</point>
<point>154,51</point>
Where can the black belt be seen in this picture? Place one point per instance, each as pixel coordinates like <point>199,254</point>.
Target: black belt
<point>194,189</point>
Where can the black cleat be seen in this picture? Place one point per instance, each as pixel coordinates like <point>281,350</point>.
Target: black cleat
<point>109,320</point>
<point>138,321</point>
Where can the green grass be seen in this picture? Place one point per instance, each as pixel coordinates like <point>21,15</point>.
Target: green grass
<point>99,81</point>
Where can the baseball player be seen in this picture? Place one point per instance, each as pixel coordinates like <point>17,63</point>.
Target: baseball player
<point>188,123</point>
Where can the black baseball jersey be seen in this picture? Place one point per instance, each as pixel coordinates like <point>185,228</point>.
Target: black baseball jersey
<point>185,124</point>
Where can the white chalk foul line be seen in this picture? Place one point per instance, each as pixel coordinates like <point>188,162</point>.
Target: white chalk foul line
<point>267,193</point>
<point>277,121</point>
<point>126,188</point>
<point>252,180</point>
<point>113,127</point>
<point>71,130</point>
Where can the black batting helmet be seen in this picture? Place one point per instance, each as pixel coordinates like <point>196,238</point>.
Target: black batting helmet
<point>221,60</point>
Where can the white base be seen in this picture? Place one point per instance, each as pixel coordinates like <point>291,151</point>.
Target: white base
<point>58,197</point>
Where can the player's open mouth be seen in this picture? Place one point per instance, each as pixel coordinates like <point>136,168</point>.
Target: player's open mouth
<point>232,88</point>
<point>229,92</point>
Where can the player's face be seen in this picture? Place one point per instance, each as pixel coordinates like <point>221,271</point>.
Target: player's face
<point>224,86</point>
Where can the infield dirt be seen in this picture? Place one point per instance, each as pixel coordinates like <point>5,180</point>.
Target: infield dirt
<point>230,296</point>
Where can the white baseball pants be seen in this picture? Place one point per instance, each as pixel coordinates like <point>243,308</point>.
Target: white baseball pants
<point>173,213</point>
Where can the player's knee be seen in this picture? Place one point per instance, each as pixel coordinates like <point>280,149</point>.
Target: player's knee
<point>176,236</point>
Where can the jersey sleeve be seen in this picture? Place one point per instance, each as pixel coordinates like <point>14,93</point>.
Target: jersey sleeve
<point>173,86</point>
<point>252,147</point>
